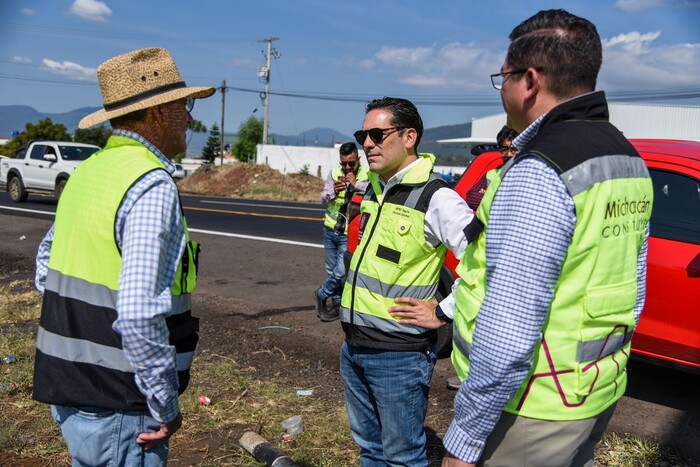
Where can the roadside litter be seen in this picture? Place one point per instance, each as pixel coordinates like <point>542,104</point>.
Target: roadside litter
<point>265,452</point>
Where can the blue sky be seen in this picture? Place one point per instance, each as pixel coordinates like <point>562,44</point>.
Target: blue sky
<point>428,51</point>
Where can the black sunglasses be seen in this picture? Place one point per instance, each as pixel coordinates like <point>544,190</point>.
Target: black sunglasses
<point>377,135</point>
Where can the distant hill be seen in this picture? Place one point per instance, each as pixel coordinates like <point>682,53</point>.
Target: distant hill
<point>15,117</point>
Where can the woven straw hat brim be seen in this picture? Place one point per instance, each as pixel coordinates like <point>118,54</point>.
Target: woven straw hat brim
<point>102,115</point>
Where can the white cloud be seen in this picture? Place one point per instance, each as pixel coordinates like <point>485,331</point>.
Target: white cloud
<point>70,69</point>
<point>633,6</point>
<point>28,12</point>
<point>633,61</point>
<point>454,65</point>
<point>91,10</point>
<point>21,60</point>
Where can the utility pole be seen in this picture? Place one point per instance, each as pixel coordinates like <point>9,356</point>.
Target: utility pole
<point>265,74</point>
<point>223,101</point>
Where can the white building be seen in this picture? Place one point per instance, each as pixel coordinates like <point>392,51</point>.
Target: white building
<point>655,121</point>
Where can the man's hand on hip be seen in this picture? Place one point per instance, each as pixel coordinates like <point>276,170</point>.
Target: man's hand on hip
<point>413,311</point>
<point>153,439</point>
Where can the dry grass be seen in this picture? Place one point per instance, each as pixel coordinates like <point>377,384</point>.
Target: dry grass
<point>210,433</point>
<point>629,452</point>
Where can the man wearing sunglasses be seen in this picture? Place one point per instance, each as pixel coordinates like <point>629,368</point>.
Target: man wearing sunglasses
<point>408,218</point>
<point>342,183</point>
<point>547,305</point>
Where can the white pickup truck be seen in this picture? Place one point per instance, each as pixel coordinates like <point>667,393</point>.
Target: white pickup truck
<point>43,167</point>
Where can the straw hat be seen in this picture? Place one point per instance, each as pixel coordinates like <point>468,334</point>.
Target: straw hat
<point>138,80</point>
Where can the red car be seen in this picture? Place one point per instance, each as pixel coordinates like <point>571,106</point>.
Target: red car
<point>669,330</point>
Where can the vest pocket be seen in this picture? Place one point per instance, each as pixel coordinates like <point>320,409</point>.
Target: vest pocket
<point>610,299</point>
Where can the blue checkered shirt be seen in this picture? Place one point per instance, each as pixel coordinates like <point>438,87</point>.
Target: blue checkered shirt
<point>150,233</point>
<point>530,228</point>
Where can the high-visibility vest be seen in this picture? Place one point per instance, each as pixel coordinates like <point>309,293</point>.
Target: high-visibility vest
<point>79,358</point>
<point>392,260</point>
<point>579,364</point>
<point>338,206</point>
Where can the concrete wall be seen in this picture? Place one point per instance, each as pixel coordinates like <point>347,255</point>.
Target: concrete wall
<point>320,161</point>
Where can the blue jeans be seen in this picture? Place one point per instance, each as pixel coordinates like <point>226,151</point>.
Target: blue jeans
<point>106,437</point>
<point>335,245</point>
<point>386,395</point>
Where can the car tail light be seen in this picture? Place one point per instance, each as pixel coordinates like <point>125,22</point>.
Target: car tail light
<point>693,268</point>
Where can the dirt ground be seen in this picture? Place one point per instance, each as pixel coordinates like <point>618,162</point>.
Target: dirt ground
<point>248,285</point>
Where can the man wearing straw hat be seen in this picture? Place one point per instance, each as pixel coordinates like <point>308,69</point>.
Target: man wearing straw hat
<point>116,335</point>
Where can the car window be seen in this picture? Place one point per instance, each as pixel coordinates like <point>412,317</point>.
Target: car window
<point>77,153</point>
<point>38,151</point>
<point>676,211</point>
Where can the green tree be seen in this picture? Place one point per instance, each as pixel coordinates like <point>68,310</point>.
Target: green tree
<point>96,135</point>
<point>44,129</point>
<point>249,136</point>
<point>213,147</point>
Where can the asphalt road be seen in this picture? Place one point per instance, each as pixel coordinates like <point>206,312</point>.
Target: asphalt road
<point>279,273</point>
<point>282,220</point>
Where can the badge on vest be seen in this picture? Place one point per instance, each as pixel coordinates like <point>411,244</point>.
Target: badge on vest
<point>364,219</point>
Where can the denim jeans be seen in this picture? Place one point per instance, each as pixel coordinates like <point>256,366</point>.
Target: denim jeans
<point>386,395</point>
<point>335,245</point>
<point>105,437</point>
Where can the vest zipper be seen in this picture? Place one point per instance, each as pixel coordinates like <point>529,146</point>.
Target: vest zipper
<point>359,261</point>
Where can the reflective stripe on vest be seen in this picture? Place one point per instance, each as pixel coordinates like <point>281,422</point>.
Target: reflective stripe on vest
<point>84,351</point>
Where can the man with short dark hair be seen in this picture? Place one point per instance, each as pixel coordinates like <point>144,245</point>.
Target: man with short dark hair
<point>409,216</point>
<point>116,336</point>
<point>341,185</point>
<point>548,300</point>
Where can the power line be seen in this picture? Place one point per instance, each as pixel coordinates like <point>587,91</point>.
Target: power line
<point>475,101</point>
<point>426,100</point>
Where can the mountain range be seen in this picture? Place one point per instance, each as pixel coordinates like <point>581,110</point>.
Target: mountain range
<point>15,117</point>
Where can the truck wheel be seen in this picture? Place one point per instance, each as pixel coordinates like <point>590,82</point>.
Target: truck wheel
<point>16,189</point>
<point>60,185</point>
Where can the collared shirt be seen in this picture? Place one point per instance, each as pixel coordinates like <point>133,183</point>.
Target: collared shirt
<point>150,233</point>
<point>445,221</point>
<point>531,225</point>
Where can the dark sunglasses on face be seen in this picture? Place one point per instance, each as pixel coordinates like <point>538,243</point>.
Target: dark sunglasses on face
<point>377,135</point>
<point>351,164</point>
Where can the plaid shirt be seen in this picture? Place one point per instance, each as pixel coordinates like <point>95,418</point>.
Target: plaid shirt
<point>150,232</point>
<point>530,229</point>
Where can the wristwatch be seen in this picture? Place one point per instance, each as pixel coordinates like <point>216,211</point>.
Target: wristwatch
<point>442,316</point>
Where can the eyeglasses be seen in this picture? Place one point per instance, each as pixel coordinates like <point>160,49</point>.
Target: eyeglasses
<point>189,104</point>
<point>505,149</point>
<point>377,135</point>
<point>497,79</point>
<point>350,164</point>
